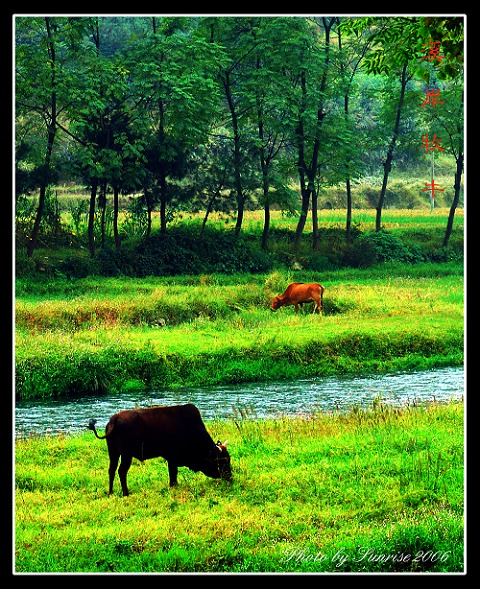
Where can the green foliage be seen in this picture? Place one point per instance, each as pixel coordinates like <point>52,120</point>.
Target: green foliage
<point>381,246</point>
<point>190,248</point>
<point>196,112</point>
<point>399,40</point>
<point>182,250</point>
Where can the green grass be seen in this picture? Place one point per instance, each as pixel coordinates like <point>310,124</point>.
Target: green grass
<point>98,334</point>
<point>374,490</point>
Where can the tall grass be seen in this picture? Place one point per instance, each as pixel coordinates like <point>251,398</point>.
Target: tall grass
<point>105,334</point>
<point>378,490</point>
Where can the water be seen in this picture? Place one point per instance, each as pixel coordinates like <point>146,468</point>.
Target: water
<point>254,400</point>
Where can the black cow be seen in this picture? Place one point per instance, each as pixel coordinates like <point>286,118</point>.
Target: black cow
<point>176,433</point>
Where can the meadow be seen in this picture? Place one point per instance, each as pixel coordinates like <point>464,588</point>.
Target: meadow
<point>96,335</point>
<point>400,306</point>
<point>374,490</point>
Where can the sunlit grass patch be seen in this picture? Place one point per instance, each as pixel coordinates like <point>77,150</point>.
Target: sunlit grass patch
<point>383,480</point>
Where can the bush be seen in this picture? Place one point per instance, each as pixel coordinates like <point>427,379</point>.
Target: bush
<point>115,263</point>
<point>381,246</point>
<point>79,267</point>
<point>185,250</point>
<point>24,266</point>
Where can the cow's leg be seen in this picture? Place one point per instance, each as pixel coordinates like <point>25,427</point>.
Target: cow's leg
<point>122,472</point>
<point>296,308</point>
<point>112,469</point>
<point>317,304</point>
<point>321,299</point>
<point>172,473</point>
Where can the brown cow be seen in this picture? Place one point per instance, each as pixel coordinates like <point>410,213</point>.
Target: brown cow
<point>298,293</point>
<point>176,433</point>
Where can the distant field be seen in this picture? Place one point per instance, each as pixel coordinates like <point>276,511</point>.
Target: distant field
<point>364,219</point>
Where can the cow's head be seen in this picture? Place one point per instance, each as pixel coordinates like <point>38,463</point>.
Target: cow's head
<point>276,303</point>
<point>218,464</point>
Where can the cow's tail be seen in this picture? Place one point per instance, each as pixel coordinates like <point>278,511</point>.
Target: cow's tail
<point>91,425</point>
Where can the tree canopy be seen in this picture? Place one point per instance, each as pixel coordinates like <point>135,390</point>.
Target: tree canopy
<point>212,112</point>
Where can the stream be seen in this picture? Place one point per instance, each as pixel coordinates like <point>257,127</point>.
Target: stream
<point>247,400</point>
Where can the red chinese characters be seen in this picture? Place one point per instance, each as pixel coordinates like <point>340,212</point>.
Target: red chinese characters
<point>431,97</point>
<point>432,52</point>
<point>431,144</point>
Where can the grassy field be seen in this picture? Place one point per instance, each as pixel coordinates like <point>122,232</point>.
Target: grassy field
<point>379,490</point>
<point>99,334</point>
<point>374,490</point>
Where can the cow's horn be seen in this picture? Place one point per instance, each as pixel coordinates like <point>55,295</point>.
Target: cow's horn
<point>221,446</point>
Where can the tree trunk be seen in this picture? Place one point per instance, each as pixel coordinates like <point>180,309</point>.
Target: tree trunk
<point>456,198</point>
<point>266,224</point>
<point>91,218</point>
<point>115,217</point>
<point>207,213</point>
<point>149,201</point>
<point>265,179</point>
<point>51,128</point>
<point>163,199</point>
<point>387,165</point>
<point>302,166</point>
<point>348,227</point>
<point>315,234</point>
<point>306,192</point>
<point>348,224</point>
<point>240,197</point>
<point>103,206</point>
<point>310,170</point>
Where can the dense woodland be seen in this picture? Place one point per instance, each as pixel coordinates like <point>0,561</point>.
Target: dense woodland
<point>228,113</point>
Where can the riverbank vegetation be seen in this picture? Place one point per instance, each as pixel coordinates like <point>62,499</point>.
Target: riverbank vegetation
<point>377,490</point>
<point>97,334</point>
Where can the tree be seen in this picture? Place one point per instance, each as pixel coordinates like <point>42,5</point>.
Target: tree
<point>210,176</point>
<point>405,77</point>
<point>173,69</point>
<point>102,126</point>
<point>45,85</point>
<point>395,46</point>
<point>264,91</point>
<point>310,115</point>
<point>352,53</point>
<point>448,121</point>
<point>235,37</point>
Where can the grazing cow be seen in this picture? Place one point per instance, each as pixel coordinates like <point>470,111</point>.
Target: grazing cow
<point>176,433</point>
<point>298,293</point>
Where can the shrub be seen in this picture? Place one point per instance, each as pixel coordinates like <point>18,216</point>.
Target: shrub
<point>24,266</point>
<point>374,247</point>
<point>79,267</point>
<point>185,250</point>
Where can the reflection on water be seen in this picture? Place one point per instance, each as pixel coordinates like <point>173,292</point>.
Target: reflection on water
<point>254,400</point>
